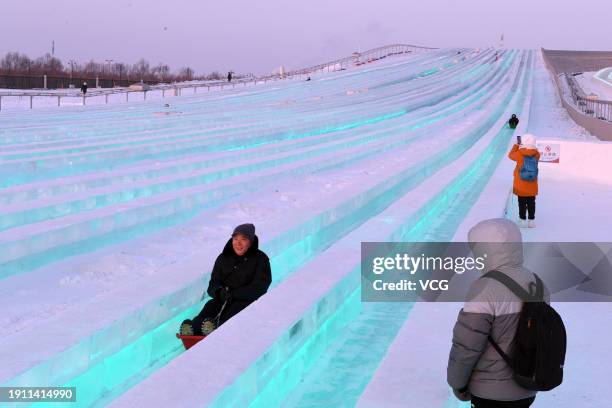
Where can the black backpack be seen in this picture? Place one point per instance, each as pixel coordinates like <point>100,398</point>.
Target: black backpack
<point>538,352</point>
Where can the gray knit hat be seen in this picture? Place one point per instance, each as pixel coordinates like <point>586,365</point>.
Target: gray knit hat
<point>248,230</point>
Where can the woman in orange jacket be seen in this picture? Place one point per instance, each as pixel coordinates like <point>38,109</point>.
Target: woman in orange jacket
<point>525,185</point>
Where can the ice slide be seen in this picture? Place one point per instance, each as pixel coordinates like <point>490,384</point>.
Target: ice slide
<point>422,121</point>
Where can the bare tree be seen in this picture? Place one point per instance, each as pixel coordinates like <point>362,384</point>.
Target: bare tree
<point>16,63</point>
<point>20,64</point>
<point>49,64</point>
<point>161,72</point>
<point>215,75</point>
<point>141,69</point>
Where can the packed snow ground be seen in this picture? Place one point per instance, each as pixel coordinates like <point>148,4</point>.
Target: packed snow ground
<point>580,184</point>
<point>84,293</point>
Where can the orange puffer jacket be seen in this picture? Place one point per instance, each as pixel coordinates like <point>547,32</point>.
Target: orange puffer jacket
<point>523,188</point>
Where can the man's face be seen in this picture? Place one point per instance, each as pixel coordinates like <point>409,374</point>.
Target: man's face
<point>241,244</point>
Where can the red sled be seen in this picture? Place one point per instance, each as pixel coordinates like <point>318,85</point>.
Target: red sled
<point>189,341</point>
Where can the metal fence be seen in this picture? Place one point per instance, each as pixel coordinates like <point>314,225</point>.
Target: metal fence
<point>178,89</point>
<point>13,81</point>
<point>360,58</point>
<point>590,106</point>
<point>569,88</point>
<point>594,115</point>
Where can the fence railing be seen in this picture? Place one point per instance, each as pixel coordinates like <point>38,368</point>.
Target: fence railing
<point>178,89</point>
<point>360,58</point>
<point>599,109</point>
<point>594,115</point>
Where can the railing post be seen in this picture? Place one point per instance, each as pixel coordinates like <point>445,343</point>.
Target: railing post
<point>106,97</point>
<point>127,96</point>
<point>163,93</point>
<point>145,95</point>
<point>58,100</point>
<point>31,98</point>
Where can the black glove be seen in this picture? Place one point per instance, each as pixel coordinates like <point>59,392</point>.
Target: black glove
<point>462,395</point>
<point>223,295</point>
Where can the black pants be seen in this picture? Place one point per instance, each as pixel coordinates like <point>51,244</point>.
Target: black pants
<point>526,205</point>
<point>212,308</point>
<point>485,403</point>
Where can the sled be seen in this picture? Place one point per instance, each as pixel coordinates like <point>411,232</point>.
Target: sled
<point>189,341</point>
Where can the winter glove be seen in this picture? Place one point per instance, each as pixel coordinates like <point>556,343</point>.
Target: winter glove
<point>223,295</point>
<point>462,395</point>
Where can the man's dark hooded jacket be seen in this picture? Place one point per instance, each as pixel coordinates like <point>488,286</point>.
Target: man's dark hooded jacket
<point>247,277</point>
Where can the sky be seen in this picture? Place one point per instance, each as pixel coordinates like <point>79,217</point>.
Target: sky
<point>259,36</point>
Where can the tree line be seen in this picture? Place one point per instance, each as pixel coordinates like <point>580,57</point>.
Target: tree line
<point>16,64</point>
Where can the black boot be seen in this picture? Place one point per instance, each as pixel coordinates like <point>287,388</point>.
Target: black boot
<point>187,328</point>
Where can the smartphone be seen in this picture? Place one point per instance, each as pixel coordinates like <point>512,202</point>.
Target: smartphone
<point>518,139</point>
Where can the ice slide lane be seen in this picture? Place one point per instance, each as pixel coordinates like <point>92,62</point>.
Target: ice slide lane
<point>104,219</point>
<point>50,188</point>
<point>365,336</point>
<point>100,125</point>
<point>74,163</point>
<point>16,213</point>
<point>403,362</point>
<point>68,115</point>
<point>88,121</point>
<point>483,103</point>
<point>173,327</point>
<point>503,105</point>
<point>19,171</point>
<point>392,108</point>
<point>256,374</point>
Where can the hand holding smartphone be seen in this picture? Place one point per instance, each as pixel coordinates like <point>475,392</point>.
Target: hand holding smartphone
<point>518,140</point>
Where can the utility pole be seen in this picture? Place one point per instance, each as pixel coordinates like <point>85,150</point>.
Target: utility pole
<point>53,48</point>
<point>109,68</point>
<point>71,69</point>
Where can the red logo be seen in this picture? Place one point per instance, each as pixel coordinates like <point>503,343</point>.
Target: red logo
<point>547,148</point>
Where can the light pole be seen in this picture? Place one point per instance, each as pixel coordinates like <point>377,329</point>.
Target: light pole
<point>71,69</point>
<point>109,67</point>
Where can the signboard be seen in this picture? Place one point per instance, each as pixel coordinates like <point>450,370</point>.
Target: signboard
<point>549,152</point>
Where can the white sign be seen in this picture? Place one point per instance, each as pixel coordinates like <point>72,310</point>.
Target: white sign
<point>549,152</point>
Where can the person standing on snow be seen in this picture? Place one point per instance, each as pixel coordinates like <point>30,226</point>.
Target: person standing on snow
<point>241,275</point>
<point>476,370</point>
<point>84,88</point>
<point>229,76</point>
<point>525,185</point>
<point>513,122</point>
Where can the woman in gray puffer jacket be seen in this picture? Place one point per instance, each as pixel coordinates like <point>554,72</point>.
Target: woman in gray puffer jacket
<point>476,370</point>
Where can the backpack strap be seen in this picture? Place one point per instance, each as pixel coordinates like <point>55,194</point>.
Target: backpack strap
<point>501,353</point>
<point>512,285</point>
<point>539,294</point>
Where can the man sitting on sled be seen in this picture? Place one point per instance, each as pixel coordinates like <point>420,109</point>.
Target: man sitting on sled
<point>240,276</point>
